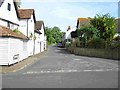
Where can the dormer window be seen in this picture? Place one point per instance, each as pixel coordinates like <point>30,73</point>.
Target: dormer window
<point>9,7</point>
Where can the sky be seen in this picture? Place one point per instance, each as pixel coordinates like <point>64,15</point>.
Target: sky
<point>64,13</point>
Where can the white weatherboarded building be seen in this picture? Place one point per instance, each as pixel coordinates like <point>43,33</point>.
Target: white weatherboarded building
<point>13,46</point>
<point>27,22</point>
<point>40,41</point>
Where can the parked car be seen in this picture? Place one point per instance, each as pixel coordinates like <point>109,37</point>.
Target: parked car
<point>60,44</point>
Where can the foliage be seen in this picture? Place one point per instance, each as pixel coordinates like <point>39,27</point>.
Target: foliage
<point>105,24</point>
<point>96,42</point>
<point>18,3</point>
<point>17,31</point>
<point>54,35</point>
<point>31,35</point>
<point>88,32</point>
<point>35,37</point>
<point>115,45</point>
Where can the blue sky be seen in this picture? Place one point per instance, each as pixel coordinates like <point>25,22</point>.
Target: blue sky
<point>64,13</point>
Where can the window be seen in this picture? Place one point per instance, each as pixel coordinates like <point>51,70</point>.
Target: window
<point>9,7</point>
<point>12,26</point>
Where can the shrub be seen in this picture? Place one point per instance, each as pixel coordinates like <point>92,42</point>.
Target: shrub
<point>82,42</point>
<point>96,42</point>
<point>17,31</point>
<point>115,45</point>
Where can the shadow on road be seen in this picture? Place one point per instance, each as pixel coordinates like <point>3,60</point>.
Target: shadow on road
<point>62,50</point>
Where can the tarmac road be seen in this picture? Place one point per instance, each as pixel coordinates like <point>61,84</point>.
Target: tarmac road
<point>60,69</point>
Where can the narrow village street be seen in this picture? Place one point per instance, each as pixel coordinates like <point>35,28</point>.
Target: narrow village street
<point>60,69</point>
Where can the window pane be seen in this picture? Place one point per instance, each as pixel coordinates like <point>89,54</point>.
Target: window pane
<point>9,6</point>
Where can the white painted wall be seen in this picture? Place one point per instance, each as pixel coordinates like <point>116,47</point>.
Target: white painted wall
<point>31,30</point>
<point>40,42</point>
<point>42,38</point>
<point>3,23</point>
<point>45,42</point>
<point>9,47</point>
<point>8,15</point>
<point>23,26</point>
<point>3,51</point>
<point>28,24</point>
<point>37,43</point>
<point>68,33</point>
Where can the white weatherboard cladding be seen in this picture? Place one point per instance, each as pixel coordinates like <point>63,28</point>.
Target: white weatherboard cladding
<point>24,51</point>
<point>3,51</point>
<point>12,50</point>
<point>6,14</point>
<point>17,48</point>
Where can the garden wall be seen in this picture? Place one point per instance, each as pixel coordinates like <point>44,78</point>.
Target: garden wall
<point>101,53</point>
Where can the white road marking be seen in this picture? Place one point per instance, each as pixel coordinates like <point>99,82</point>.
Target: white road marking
<point>67,71</point>
<point>77,59</point>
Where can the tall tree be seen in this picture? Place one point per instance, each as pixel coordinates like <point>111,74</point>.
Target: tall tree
<point>54,35</point>
<point>105,24</point>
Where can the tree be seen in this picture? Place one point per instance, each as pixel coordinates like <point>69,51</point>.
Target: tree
<point>18,3</point>
<point>54,35</point>
<point>105,24</point>
<point>88,32</point>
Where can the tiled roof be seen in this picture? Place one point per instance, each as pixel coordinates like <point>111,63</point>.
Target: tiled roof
<point>25,13</point>
<point>38,25</point>
<point>6,32</point>
<point>83,19</point>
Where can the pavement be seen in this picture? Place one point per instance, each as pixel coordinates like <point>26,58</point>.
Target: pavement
<point>60,69</point>
<point>21,65</point>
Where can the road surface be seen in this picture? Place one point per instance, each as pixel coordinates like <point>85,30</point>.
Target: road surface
<point>60,69</point>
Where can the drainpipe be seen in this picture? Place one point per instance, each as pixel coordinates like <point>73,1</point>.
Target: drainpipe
<point>34,44</point>
<point>27,28</point>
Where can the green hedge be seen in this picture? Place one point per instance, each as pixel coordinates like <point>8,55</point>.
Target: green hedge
<point>101,53</point>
